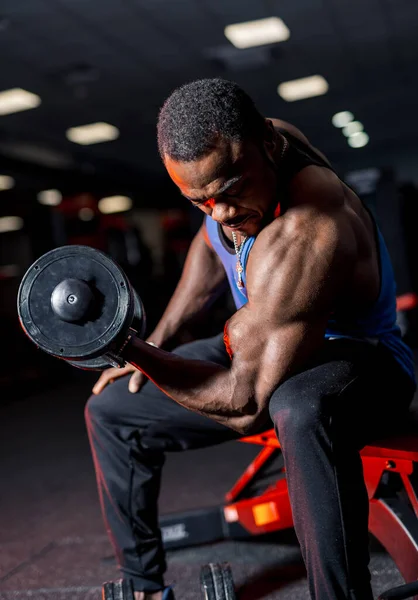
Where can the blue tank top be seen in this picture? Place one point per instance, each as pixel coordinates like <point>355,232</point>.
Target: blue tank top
<point>377,324</point>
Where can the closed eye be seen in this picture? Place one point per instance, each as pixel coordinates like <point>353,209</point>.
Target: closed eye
<point>233,192</point>
<point>237,191</point>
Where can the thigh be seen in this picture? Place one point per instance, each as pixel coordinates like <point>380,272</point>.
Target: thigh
<point>375,404</point>
<point>359,386</point>
<point>160,421</point>
<point>377,396</point>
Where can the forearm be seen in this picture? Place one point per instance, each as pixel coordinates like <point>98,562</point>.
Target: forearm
<point>201,386</point>
<point>202,281</point>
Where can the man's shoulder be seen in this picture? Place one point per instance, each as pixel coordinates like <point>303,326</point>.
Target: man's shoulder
<point>308,227</point>
<point>316,197</point>
<point>316,185</point>
<point>308,249</point>
<point>300,228</point>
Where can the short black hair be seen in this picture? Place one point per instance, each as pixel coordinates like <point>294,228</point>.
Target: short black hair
<point>196,114</point>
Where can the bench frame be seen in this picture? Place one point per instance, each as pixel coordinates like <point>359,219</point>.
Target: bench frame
<point>390,470</point>
<point>393,513</point>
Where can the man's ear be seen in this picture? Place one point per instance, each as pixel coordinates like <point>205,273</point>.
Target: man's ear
<point>270,139</point>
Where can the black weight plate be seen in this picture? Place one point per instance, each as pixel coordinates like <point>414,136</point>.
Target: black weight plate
<point>138,324</point>
<point>217,582</point>
<point>122,589</point>
<point>93,364</point>
<point>113,310</point>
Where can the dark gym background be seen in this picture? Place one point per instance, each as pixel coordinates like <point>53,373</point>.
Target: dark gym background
<point>115,61</point>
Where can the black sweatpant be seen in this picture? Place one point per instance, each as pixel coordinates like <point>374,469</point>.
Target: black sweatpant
<point>350,394</point>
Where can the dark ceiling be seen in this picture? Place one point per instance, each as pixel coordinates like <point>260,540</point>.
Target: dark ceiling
<point>117,60</point>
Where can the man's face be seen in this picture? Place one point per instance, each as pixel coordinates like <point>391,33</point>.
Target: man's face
<point>235,184</point>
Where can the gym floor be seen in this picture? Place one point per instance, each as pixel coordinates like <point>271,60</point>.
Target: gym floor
<point>53,544</point>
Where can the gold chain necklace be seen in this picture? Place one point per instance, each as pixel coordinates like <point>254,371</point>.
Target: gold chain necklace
<point>238,249</point>
<point>284,148</point>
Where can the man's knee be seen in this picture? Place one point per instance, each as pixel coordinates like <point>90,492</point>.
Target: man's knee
<point>296,411</point>
<point>103,407</point>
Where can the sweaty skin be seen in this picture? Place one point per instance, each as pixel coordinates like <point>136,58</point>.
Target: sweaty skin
<point>318,256</point>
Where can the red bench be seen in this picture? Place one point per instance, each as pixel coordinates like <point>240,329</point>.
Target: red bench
<point>258,503</point>
<point>393,498</point>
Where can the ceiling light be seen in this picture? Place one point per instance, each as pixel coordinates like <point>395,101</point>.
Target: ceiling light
<point>114,204</point>
<point>86,214</point>
<point>6,182</point>
<point>257,33</point>
<point>16,100</point>
<point>50,197</point>
<point>10,224</point>
<point>95,133</point>
<point>358,140</point>
<point>352,128</point>
<point>307,87</point>
<point>343,118</point>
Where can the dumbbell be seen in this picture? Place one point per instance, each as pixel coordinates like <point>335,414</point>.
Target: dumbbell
<point>216,583</point>
<point>121,589</point>
<point>77,304</point>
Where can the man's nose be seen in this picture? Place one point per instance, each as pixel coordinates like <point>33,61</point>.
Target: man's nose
<point>220,211</point>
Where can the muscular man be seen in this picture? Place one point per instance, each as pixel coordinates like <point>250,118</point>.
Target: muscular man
<point>312,349</point>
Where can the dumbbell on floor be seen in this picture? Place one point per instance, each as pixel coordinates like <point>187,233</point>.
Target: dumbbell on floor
<point>121,589</point>
<point>216,582</point>
<point>215,579</point>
